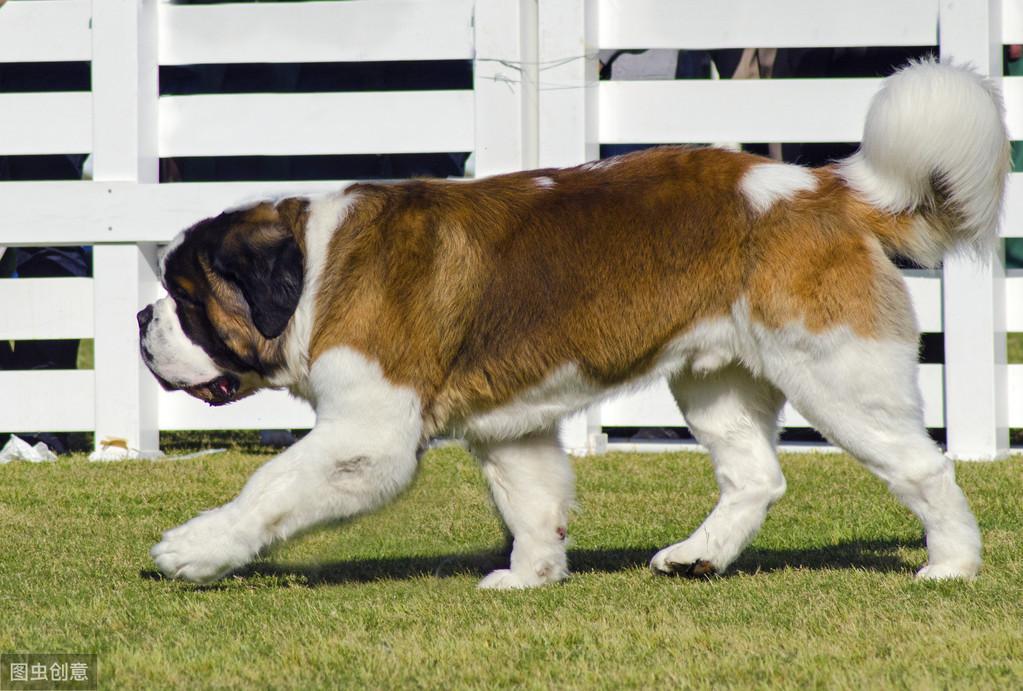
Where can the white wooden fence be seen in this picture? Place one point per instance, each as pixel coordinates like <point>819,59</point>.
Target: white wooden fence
<point>535,101</point>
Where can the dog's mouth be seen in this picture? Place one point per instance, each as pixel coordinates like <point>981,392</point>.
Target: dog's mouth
<point>218,391</point>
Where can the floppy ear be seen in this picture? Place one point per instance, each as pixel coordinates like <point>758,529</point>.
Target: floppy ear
<point>269,273</point>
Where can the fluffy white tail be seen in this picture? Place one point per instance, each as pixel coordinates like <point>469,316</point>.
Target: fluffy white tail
<point>935,146</point>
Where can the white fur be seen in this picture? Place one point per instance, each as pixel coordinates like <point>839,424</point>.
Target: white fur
<point>171,354</point>
<point>734,415</point>
<point>169,248</point>
<point>326,214</point>
<point>533,487</point>
<point>360,454</point>
<point>863,395</point>
<point>860,393</point>
<point>765,184</point>
<point>562,393</point>
<point>601,164</point>
<point>704,348</point>
<point>544,182</point>
<point>935,121</point>
<point>730,378</point>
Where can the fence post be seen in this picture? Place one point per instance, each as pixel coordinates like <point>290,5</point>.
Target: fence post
<point>125,92</point>
<point>567,82</point>
<point>567,90</point>
<point>976,399</point>
<point>505,86</point>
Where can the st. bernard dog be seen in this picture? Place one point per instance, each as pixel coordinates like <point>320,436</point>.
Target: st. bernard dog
<point>492,308</point>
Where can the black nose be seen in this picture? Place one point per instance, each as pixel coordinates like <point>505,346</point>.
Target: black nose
<point>145,316</point>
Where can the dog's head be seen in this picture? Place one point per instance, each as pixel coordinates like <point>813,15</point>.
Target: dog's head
<point>233,285</point>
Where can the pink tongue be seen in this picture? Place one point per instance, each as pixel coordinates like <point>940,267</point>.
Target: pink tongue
<point>223,385</point>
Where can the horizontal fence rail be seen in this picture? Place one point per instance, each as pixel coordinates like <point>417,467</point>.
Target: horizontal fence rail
<point>40,308</point>
<point>1012,92</point>
<point>45,400</point>
<point>655,407</point>
<point>352,31</point>
<point>775,110</point>
<point>45,123</point>
<point>127,212</point>
<point>46,31</point>
<point>292,124</point>
<point>534,101</point>
<point>694,24</point>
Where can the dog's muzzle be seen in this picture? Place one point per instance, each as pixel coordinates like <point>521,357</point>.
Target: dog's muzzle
<point>216,391</point>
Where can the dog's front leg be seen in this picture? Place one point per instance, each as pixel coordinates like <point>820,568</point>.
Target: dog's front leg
<point>360,454</point>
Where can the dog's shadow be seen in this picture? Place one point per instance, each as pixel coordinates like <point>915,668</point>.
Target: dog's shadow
<point>871,555</point>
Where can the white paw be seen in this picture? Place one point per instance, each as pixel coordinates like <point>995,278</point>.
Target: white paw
<point>940,572</point>
<point>685,559</point>
<point>205,548</point>
<point>504,579</point>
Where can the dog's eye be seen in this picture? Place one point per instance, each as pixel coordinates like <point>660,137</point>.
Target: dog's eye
<point>180,295</point>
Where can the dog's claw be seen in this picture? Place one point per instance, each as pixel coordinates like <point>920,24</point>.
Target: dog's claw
<point>697,569</point>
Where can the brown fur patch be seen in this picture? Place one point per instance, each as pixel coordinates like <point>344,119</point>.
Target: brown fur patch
<point>470,292</point>
<point>817,259</point>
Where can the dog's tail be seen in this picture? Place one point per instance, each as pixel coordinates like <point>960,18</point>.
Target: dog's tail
<point>936,153</point>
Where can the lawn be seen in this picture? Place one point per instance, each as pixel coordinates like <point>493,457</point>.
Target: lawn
<point>824,598</point>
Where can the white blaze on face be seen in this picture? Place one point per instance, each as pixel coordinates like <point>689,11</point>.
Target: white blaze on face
<point>172,356</point>
<point>171,246</point>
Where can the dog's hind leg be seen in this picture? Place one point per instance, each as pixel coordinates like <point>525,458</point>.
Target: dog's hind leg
<point>862,394</point>
<point>533,486</point>
<point>735,416</point>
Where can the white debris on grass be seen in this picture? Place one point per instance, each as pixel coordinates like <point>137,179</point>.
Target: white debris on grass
<point>17,449</point>
<point>115,449</point>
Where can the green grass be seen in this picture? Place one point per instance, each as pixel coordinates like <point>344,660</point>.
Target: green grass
<point>86,354</point>
<point>824,598</point>
<point>1014,348</point>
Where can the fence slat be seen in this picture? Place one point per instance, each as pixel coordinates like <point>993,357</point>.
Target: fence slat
<point>47,400</point>
<point>46,31</point>
<point>46,123</point>
<point>654,406</point>
<point>265,410</point>
<point>37,213</point>
<point>325,123</point>
<point>125,91</point>
<point>695,24</point>
<point>976,398</point>
<point>353,31</point>
<point>1012,21</point>
<point>1012,224</point>
<point>1014,306</point>
<point>504,84</point>
<point>38,308</point>
<point>567,76</point>
<point>1015,384</point>
<point>776,110</point>
<point>1012,90</point>
<point>925,291</point>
